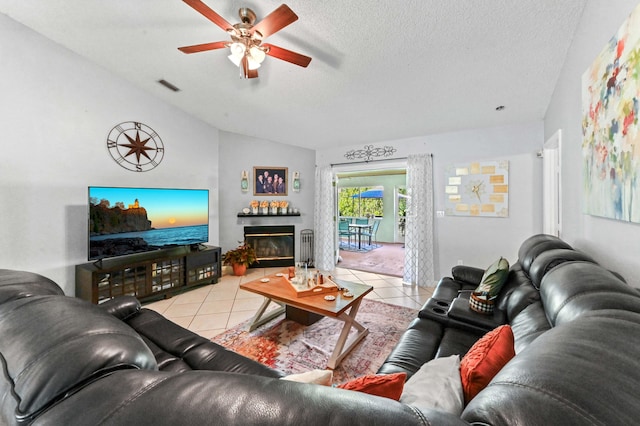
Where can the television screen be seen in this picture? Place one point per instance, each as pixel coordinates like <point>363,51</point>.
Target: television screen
<point>131,220</point>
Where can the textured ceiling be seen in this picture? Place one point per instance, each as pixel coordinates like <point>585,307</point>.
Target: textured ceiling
<point>381,70</point>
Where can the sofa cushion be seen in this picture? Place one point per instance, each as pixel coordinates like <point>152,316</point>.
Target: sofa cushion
<point>533,246</point>
<point>437,385</point>
<point>19,284</point>
<point>385,385</point>
<point>576,287</point>
<point>517,293</point>
<point>52,346</point>
<point>550,259</point>
<point>584,372</point>
<point>417,345</point>
<point>528,325</point>
<point>177,348</point>
<point>485,358</point>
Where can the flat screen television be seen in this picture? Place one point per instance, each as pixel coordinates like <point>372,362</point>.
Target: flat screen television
<point>125,221</point>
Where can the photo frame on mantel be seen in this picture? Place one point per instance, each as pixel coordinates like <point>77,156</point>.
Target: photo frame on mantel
<point>271,181</point>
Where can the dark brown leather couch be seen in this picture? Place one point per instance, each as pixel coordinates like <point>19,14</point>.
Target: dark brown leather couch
<point>576,328</point>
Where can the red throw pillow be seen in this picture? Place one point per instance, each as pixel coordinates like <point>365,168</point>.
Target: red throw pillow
<point>485,358</point>
<point>387,385</point>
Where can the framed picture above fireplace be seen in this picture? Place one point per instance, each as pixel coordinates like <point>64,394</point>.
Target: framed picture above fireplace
<point>270,181</point>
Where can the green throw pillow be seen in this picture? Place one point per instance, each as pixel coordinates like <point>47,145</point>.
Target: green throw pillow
<point>494,278</point>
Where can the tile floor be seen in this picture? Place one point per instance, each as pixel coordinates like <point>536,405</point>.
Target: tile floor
<point>212,309</point>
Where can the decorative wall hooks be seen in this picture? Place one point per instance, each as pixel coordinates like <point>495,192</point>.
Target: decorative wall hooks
<point>369,152</point>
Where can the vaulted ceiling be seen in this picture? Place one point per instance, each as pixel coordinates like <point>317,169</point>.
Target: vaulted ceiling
<point>381,70</point>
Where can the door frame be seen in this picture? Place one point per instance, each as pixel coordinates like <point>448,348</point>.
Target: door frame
<point>552,185</point>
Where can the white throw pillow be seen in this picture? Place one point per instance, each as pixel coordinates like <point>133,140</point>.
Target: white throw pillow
<point>436,385</point>
<point>319,377</point>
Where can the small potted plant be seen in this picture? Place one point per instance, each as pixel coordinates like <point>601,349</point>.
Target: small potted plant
<point>240,258</point>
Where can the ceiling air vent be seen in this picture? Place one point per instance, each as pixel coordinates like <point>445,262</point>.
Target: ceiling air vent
<point>168,85</point>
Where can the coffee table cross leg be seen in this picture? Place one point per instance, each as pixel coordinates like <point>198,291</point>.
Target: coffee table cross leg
<point>258,320</point>
<point>340,351</point>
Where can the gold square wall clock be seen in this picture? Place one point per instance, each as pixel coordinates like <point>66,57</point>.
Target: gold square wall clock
<point>478,188</point>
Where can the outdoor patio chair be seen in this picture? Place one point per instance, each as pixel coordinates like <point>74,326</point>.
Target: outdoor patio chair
<point>372,234</point>
<point>344,231</point>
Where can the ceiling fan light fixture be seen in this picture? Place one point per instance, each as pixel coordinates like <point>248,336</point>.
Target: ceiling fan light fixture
<point>257,54</point>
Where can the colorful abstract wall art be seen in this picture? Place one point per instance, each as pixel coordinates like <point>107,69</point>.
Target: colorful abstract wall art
<point>611,135</point>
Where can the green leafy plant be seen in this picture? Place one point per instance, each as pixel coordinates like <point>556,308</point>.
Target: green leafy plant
<point>242,255</point>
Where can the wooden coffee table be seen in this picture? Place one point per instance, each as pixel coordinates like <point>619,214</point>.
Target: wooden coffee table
<point>345,309</point>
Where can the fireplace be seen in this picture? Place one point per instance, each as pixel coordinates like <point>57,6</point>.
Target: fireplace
<point>274,245</point>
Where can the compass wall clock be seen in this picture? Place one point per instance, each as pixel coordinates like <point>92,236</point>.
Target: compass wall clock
<point>135,146</point>
<point>478,189</point>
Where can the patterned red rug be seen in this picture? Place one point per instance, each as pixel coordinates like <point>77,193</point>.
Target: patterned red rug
<point>294,348</point>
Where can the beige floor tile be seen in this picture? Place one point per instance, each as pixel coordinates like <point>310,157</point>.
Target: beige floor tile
<point>403,301</point>
<point>209,321</point>
<point>196,295</point>
<point>160,306</point>
<point>379,283</point>
<point>216,307</point>
<point>236,318</point>
<point>244,294</point>
<point>396,281</point>
<point>182,310</point>
<point>182,321</point>
<point>366,276</point>
<point>388,292</point>
<point>221,294</point>
<point>249,304</point>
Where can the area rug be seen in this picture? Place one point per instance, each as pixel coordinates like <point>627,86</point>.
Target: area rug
<point>387,259</point>
<point>292,348</point>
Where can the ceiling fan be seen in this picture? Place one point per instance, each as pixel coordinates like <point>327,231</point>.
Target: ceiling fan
<point>247,49</point>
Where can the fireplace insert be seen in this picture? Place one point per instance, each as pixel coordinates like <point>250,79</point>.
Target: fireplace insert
<point>274,245</point>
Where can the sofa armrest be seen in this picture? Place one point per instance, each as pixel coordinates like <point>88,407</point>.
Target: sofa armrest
<point>461,312</point>
<point>467,274</point>
<point>208,397</point>
<point>122,307</point>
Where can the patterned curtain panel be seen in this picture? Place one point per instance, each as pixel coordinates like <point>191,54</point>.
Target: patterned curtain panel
<point>324,212</point>
<point>418,257</point>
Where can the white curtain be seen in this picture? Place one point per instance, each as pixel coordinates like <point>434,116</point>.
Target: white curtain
<point>324,216</point>
<point>418,256</point>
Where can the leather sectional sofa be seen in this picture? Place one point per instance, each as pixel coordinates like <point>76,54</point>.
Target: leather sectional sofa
<point>577,340</point>
<point>576,328</point>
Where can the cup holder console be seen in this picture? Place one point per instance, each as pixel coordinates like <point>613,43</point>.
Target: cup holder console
<point>435,309</point>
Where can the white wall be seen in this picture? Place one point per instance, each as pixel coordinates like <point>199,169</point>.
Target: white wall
<point>477,241</point>
<point>57,110</point>
<point>240,152</point>
<point>614,244</point>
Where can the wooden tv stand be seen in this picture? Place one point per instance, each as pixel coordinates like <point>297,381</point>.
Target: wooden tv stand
<point>148,276</point>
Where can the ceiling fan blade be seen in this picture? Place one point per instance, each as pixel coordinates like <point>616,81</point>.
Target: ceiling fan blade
<point>287,55</point>
<point>246,72</point>
<point>275,21</point>
<point>203,47</point>
<point>208,13</point>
